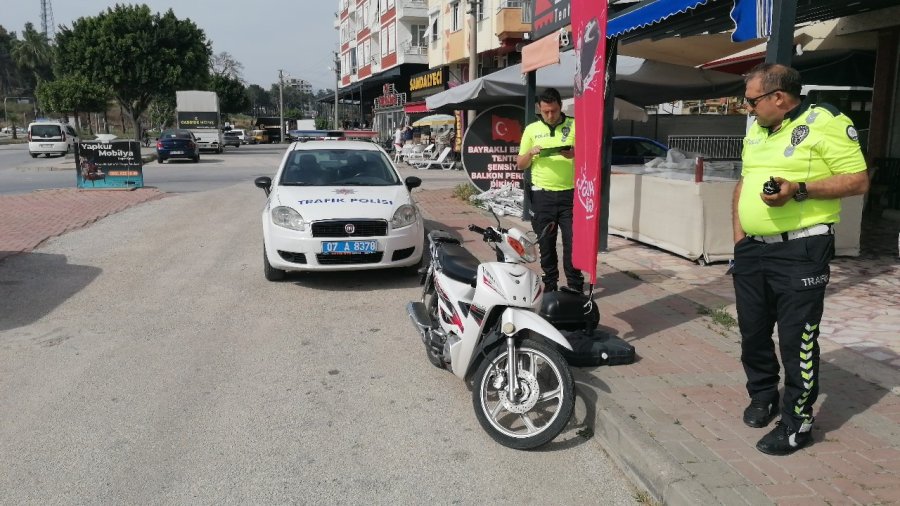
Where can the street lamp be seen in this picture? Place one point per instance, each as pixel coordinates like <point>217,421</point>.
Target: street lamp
<point>281,104</point>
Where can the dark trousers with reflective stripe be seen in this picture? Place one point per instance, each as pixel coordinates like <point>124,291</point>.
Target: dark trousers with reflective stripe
<point>782,283</point>
<point>555,207</point>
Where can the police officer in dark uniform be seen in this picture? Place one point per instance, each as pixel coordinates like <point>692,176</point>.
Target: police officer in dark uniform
<point>547,146</point>
<point>799,160</point>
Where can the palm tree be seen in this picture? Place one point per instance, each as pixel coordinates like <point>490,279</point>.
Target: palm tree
<point>33,55</point>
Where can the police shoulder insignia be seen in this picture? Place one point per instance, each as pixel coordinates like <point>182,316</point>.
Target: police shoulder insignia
<point>851,132</point>
<point>811,117</point>
<point>798,134</point>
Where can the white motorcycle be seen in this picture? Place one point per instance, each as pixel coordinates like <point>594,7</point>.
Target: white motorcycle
<point>473,316</point>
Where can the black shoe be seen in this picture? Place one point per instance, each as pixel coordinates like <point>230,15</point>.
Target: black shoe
<point>782,440</point>
<point>759,413</point>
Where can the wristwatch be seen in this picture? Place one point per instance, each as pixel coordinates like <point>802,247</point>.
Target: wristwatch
<point>801,194</point>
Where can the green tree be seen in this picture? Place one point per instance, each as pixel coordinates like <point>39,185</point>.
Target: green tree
<point>34,57</point>
<point>72,94</point>
<point>260,100</point>
<point>232,94</point>
<point>161,112</point>
<point>9,75</point>
<point>136,55</point>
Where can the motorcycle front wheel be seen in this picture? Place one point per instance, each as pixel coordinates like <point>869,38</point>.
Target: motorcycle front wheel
<point>541,406</point>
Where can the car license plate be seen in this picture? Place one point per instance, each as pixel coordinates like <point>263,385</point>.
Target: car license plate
<point>176,152</point>
<point>349,247</point>
<point>46,145</point>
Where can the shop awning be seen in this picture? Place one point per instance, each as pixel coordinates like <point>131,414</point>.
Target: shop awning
<point>648,13</point>
<point>415,107</point>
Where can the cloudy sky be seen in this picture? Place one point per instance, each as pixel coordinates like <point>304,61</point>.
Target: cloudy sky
<point>297,36</point>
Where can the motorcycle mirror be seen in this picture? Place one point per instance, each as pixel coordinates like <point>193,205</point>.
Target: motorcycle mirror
<point>549,229</point>
<point>491,209</point>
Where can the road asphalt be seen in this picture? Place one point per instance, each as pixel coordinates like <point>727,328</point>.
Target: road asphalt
<point>672,420</point>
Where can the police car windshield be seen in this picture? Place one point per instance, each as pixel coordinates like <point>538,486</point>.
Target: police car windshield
<point>338,167</point>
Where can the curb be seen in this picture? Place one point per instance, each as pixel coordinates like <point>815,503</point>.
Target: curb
<point>640,457</point>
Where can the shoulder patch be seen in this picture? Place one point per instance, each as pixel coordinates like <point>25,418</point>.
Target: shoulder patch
<point>852,134</point>
<point>830,108</point>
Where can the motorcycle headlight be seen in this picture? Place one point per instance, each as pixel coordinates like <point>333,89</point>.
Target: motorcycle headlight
<point>288,218</point>
<point>404,216</point>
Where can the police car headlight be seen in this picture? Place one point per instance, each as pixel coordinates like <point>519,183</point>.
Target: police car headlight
<point>404,216</point>
<point>288,218</point>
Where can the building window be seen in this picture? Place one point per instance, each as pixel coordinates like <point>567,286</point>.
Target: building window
<point>419,36</point>
<point>353,60</point>
<point>384,42</point>
<point>456,23</point>
<point>390,3</point>
<point>479,10</point>
<point>392,37</point>
<point>365,14</point>
<point>382,6</point>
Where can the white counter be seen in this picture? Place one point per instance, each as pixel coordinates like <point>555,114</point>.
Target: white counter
<point>693,220</point>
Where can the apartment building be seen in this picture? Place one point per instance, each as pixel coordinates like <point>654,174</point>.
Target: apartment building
<point>500,26</point>
<point>382,43</point>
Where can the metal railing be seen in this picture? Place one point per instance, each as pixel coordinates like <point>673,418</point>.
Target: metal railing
<point>714,147</point>
<point>408,48</point>
<point>525,5</point>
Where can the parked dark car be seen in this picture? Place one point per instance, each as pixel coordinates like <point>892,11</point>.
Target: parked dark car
<point>177,143</point>
<point>231,139</point>
<point>636,150</point>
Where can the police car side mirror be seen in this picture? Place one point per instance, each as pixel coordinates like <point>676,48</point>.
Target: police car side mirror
<point>412,182</point>
<point>265,183</point>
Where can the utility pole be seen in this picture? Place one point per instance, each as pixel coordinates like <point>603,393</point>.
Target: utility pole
<point>337,82</point>
<point>281,105</point>
<point>473,46</point>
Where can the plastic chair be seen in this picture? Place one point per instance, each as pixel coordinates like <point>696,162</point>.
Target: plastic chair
<point>441,161</point>
<point>420,155</point>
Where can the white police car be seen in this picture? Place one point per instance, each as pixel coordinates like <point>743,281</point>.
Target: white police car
<point>339,205</point>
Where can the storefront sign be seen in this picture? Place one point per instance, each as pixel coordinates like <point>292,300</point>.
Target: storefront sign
<point>198,120</point>
<point>428,83</point>
<point>389,98</point>
<point>549,17</point>
<point>108,165</point>
<point>491,146</point>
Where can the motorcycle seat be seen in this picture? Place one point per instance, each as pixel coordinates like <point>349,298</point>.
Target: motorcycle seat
<point>458,264</point>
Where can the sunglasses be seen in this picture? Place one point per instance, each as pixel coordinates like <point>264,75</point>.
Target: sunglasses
<point>755,100</point>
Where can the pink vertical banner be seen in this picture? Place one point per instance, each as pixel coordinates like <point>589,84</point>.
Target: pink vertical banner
<point>589,30</point>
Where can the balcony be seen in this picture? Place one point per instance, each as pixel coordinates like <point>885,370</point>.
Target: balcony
<point>457,46</point>
<point>510,23</point>
<point>408,48</point>
<point>412,10</point>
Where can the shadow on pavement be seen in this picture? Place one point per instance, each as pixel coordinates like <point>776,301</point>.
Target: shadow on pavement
<point>34,284</point>
<point>846,395</point>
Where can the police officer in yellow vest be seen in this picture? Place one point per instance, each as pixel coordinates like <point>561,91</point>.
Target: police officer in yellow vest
<point>547,147</point>
<point>798,161</point>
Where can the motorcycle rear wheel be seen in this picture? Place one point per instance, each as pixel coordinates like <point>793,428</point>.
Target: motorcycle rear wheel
<point>543,406</point>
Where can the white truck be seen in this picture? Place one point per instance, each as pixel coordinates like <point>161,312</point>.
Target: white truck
<point>198,111</point>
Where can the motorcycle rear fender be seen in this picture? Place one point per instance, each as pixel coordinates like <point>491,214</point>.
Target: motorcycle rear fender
<point>523,319</point>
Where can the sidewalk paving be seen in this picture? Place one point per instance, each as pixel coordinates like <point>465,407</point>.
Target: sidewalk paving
<point>672,420</point>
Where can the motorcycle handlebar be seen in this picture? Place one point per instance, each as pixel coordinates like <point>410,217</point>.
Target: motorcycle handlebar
<point>487,234</point>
